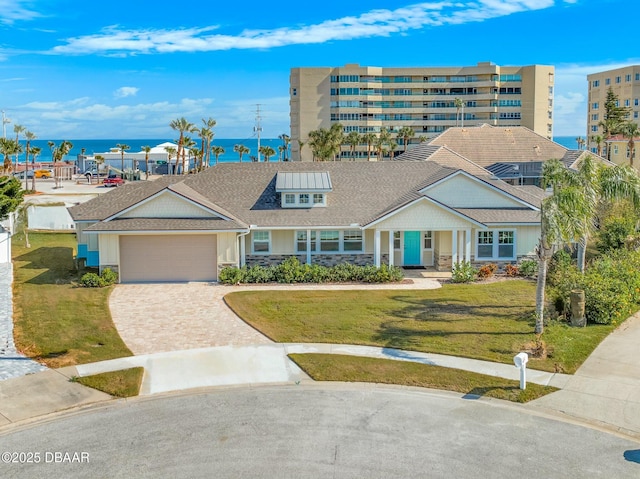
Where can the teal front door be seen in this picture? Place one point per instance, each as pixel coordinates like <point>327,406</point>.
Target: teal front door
<point>412,248</point>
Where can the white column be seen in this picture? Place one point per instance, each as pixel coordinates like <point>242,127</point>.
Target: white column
<point>242,250</point>
<point>308,246</point>
<point>467,253</point>
<point>376,248</point>
<point>454,247</point>
<point>391,252</point>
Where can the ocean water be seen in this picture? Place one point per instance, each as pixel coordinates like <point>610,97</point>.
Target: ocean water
<point>93,147</point>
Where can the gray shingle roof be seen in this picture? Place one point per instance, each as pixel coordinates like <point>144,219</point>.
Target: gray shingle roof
<point>246,193</point>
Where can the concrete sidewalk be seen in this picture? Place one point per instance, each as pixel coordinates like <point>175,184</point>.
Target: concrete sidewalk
<point>606,388</point>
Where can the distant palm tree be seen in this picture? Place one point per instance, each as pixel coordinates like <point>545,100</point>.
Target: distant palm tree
<point>241,150</point>
<point>597,139</point>
<point>122,147</point>
<point>146,150</point>
<point>208,135</point>
<point>217,151</point>
<point>353,139</point>
<point>286,139</point>
<point>171,151</point>
<point>281,151</point>
<point>369,139</point>
<point>183,126</point>
<point>8,147</point>
<point>267,152</point>
<point>29,137</point>
<point>630,130</point>
<point>406,133</point>
<point>17,129</point>
<point>458,103</point>
<point>381,141</point>
<point>35,151</point>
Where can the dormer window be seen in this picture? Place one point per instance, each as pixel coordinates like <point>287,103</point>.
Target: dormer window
<point>303,190</point>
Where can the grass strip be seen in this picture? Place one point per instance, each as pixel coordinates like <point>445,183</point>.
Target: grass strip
<point>122,384</point>
<point>335,367</point>
<point>55,321</point>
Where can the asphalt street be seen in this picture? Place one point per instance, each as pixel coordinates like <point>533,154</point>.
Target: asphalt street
<point>307,431</point>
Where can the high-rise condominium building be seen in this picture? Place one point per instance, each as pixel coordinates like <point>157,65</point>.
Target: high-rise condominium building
<point>367,99</point>
<point>625,83</point>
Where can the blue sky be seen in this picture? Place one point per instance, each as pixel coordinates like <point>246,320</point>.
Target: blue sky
<point>91,69</point>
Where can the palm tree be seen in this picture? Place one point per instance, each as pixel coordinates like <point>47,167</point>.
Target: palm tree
<point>122,147</point>
<point>353,139</point>
<point>630,130</point>
<point>183,126</point>
<point>146,150</point>
<point>8,147</point>
<point>597,139</point>
<point>406,133</point>
<point>217,151</point>
<point>581,142</point>
<point>568,215</point>
<point>369,139</point>
<point>208,135</point>
<point>17,129</point>
<point>171,151</point>
<point>267,152</point>
<point>29,137</point>
<point>286,139</point>
<point>457,102</point>
<point>381,141</point>
<point>187,144</point>
<point>241,150</point>
<point>35,151</point>
<point>281,151</point>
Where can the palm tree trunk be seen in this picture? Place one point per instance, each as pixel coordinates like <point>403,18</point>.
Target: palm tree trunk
<point>544,253</point>
<point>582,253</point>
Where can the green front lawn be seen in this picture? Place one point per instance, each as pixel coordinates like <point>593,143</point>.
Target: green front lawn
<point>55,321</point>
<point>335,367</point>
<point>491,321</point>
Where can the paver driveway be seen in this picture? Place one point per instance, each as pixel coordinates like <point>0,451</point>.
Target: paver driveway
<point>153,318</point>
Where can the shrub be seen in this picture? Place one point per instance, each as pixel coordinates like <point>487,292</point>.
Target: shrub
<point>109,276</point>
<point>463,272</point>
<point>487,270</point>
<point>511,270</point>
<point>528,268</point>
<point>558,266</point>
<point>232,275</point>
<point>614,233</point>
<point>91,280</point>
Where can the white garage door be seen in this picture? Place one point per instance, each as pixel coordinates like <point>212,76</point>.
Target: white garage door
<point>168,258</point>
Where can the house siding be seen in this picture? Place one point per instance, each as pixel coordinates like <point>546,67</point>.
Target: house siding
<point>167,205</point>
<point>227,249</point>
<point>423,216</point>
<point>475,193</point>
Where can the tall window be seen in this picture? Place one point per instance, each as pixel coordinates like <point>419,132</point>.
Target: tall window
<point>261,242</point>
<point>329,241</point>
<point>352,240</point>
<point>301,241</point>
<point>428,240</point>
<point>496,244</point>
<point>396,240</point>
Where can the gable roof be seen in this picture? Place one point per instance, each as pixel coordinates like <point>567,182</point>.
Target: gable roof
<point>486,144</point>
<point>245,194</point>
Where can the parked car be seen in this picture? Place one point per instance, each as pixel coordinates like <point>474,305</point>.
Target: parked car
<point>21,174</point>
<point>113,180</point>
<point>43,173</point>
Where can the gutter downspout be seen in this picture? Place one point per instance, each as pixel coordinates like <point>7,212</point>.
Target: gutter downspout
<point>241,250</point>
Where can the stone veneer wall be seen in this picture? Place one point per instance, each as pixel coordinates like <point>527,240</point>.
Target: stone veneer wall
<point>444,262</point>
<point>321,259</point>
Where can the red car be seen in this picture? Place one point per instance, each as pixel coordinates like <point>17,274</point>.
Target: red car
<point>113,180</point>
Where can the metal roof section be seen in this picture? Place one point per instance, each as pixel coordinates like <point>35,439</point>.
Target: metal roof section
<point>312,181</point>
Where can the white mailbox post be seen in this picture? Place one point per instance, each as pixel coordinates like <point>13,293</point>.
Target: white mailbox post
<point>520,360</point>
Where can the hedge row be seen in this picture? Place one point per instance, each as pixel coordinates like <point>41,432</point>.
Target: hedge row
<point>292,271</point>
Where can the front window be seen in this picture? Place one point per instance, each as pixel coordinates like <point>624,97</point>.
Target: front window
<point>329,241</point>
<point>301,241</point>
<point>396,240</point>
<point>496,244</point>
<point>318,198</point>
<point>261,242</point>
<point>290,199</point>
<point>304,199</point>
<point>428,240</point>
<point>353,240</point>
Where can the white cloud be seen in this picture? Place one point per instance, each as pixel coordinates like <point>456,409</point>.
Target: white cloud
<point>13,10</point>
<point>375,23</point>
<point>126,91</point>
